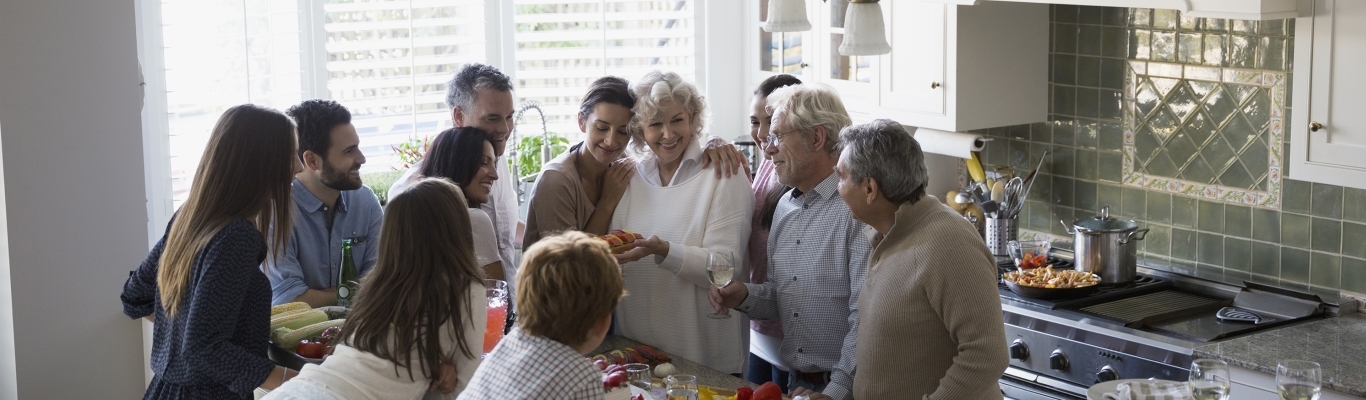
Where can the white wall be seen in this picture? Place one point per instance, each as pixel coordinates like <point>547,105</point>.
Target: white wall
<point>73,199</point>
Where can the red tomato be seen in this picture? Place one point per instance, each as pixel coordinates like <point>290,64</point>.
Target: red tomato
<point>768,391</point>
<point>311,349</point>
<point>744,393</point>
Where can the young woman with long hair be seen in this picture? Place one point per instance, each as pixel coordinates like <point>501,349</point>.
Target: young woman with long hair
<point>465,157</point>
<point>408,324</point>
<point>766,336</point>
<point>580,188</point>
<point>202,285</point>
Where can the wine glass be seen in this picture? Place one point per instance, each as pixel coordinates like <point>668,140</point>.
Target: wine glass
<point>720,269</point>
<point>1209,380</point>
<point>1298,380</point>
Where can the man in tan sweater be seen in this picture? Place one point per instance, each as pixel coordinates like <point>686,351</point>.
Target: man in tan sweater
<point>930,315</point>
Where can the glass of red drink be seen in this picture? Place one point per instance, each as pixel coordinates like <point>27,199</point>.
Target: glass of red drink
<point>497,312</point>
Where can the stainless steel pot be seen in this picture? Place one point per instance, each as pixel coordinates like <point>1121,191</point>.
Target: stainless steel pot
<point>1105,246</point>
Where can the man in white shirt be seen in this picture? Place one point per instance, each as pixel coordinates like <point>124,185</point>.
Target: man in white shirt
<point>481,96</point>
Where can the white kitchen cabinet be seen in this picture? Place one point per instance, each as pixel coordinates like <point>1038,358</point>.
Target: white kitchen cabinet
<point>952,68</point>
<point>1226,9</point>
<point>1328,127</point>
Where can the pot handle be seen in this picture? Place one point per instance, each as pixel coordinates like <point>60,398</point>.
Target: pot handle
<point>1141,233</point>
<point>1067,227</point>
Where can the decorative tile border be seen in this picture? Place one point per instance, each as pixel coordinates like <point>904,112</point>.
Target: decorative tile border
<point>1274,82</point>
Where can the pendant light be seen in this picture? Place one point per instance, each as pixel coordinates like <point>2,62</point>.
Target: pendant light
<point>786,16</point>
<point>864,32</point>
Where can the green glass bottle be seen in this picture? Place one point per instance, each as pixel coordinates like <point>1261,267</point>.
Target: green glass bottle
<point>347,282</point>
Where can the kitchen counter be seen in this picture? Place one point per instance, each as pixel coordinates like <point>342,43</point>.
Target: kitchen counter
<point>705,376</point>
<point>1337,344</point>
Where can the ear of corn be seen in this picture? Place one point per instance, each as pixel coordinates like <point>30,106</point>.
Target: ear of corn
<point>289,339</point>
<point>288,307</point>
<point>297,319</point>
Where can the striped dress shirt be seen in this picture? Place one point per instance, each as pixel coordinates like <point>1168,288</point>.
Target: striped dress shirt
<point>817,262</point>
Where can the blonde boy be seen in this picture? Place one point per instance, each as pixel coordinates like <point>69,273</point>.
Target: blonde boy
<point>567,286</point>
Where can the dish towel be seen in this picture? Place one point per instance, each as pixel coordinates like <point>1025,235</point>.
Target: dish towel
<point>1151,391</point>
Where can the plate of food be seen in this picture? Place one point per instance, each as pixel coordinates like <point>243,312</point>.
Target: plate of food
<point>621,240</point>
<point>1049,284</point>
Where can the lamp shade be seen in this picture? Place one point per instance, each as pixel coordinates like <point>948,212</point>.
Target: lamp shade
<point>787,16</point>
<point>864,32</point>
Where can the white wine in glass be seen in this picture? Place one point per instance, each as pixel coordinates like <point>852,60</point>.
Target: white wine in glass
<point>1298,380</point>
<point>1209,380</point>
<point>721,270</point>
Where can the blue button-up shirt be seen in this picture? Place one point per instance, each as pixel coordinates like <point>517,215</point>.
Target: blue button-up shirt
<point>313,255</point>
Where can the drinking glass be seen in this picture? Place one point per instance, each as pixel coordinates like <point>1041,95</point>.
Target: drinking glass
<point>497,293</point>
<point>720,269</point>
<point>1298,380</point>
<point>638,375</point>
<point>681,387</point>
<point>1209,380</point>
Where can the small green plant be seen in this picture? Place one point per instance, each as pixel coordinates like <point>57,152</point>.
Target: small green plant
<point>379,182</point>
<point>529,152</point>
<point>411,151</point>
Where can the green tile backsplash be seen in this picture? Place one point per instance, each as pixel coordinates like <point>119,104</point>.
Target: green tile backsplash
<point>1314,239</point>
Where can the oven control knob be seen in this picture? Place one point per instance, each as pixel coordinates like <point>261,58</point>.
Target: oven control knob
<point>1057,360</point>
<point>1019,351</point>
<point>1106,374</point>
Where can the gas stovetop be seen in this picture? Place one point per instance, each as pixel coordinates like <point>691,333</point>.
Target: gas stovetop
<point>1144,329</point>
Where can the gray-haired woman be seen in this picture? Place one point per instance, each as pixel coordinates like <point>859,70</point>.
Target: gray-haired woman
<point>689,213</point>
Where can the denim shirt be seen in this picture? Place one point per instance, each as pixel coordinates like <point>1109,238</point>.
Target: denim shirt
<point>313,256</point>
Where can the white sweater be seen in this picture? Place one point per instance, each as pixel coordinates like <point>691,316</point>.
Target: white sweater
<point>666,305</point>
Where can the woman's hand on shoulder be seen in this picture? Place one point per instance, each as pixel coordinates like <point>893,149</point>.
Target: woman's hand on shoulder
<point>616,180</point>
<point>724,158</point>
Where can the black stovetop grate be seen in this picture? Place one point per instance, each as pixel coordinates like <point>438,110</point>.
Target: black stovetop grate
<point>1143,284</point>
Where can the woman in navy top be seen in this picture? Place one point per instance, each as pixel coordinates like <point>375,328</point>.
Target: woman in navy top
<point>202,284</point>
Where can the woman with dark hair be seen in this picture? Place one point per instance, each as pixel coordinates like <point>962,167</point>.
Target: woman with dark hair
<point>407,328</point>
<point>202,284</point>
<point>465,157</point>
<point>765,336</point>
<point>580,188</point>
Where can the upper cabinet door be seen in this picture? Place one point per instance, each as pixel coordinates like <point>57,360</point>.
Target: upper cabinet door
<point>914,80</point>
<point>1328,128</point>
<point>854,77</point>
<point>778,52</point>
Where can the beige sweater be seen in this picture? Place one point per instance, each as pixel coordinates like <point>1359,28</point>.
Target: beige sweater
<point>930,314</point>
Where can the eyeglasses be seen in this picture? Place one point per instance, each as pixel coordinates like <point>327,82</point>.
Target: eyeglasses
<point>776,139</point>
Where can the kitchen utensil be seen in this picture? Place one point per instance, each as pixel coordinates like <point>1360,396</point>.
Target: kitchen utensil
<point>1029,180</point>
<point>984,199</point>
<point>999,232</point>
<point>963,198</point>
<point>998,192</point>
<point>1233,314</point>
<point>1105,246</point>
<point>1013,197</point>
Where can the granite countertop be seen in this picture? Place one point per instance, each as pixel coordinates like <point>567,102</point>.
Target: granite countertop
<point>705,376</point>
<point>1337,344</point>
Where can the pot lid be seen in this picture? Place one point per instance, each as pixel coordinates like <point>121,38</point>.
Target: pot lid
<point>1104,223</point>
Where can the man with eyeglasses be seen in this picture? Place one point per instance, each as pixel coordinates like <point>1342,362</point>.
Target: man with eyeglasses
<point>818,257</point>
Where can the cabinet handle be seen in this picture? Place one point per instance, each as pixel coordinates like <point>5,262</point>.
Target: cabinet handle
<point>804,65</point>
<point>1315,126</point>
<point>934,85</point>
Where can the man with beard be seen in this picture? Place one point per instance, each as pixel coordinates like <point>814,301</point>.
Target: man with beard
<point>331,205</point>
<point>817,255</point>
